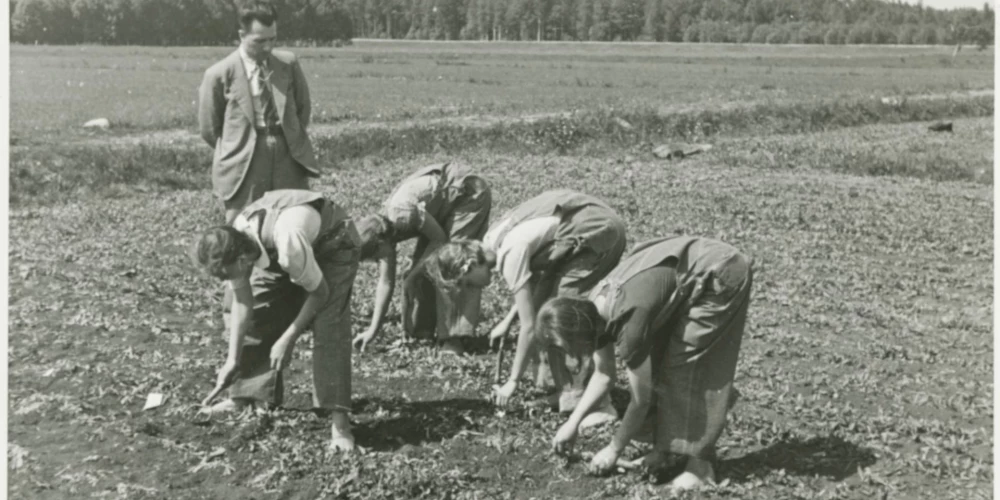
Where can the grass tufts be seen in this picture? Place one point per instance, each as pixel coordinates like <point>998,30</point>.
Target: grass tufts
<point>564,133</point>
<point>49,173</point>
<point>53,173</point>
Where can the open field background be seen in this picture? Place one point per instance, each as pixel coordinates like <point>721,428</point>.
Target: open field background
<point>56,89</point>
<point>867,367</point>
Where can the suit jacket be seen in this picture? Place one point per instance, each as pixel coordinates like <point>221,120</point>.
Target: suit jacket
<point>226,116</point>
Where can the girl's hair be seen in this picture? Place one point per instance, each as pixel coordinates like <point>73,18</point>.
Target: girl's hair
<point>573,320</point>
<point>451,261</point>
<point>220,246</point>
<point>374,230</point>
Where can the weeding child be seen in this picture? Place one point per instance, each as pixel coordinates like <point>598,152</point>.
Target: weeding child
<point>559,243</point>
<point>435,204</point>
<point>290,258</point>
<point>674,311</point>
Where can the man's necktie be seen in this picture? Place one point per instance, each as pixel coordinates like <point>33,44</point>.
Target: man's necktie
<point>270,111</point>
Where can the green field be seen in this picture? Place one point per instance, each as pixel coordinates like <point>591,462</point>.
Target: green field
<point>866,371</point>
<point>56,89</point>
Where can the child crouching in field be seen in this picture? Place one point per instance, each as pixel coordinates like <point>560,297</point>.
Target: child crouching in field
<point>674,312</point>
<point>558,243</point>
<point>435,204</point>
<point>290,259</point>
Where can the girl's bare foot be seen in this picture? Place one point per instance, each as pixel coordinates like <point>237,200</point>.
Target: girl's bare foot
<point>697,473</point>
<point>341,439</point>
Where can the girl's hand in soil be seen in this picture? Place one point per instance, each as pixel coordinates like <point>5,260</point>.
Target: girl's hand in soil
<point>281,353</point>
<point>361,340</point>
<point>563,442</point>
<point>503,393</point>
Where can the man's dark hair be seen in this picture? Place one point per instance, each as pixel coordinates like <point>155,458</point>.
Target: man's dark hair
<point>263,11</point>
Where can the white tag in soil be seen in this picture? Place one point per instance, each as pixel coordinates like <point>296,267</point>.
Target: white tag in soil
<point>154,400</point>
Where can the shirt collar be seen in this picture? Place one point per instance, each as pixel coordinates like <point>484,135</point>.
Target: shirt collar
<point>248,63</point>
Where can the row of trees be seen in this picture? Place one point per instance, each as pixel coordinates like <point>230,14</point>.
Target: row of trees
<point>205,22</point>
<point>167,22</point>
<point>726,21</point>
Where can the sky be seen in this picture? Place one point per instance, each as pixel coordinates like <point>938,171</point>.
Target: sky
<point>953,4</point>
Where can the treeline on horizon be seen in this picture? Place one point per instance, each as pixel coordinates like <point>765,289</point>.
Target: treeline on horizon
<point>323,22</point>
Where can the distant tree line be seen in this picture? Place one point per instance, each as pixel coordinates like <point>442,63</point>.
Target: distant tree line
<point>208,22</point>
<point>167,22</point>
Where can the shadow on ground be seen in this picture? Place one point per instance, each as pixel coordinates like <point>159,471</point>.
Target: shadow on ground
<point>417,422</point>
<point>830,457</point>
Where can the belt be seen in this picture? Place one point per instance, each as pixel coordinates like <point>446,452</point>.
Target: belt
<point>271,130</point>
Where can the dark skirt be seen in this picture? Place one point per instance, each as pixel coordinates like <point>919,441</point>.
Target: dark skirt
<point>693,369</point>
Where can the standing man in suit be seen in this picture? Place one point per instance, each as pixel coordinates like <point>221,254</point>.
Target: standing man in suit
<point>254,109</point>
